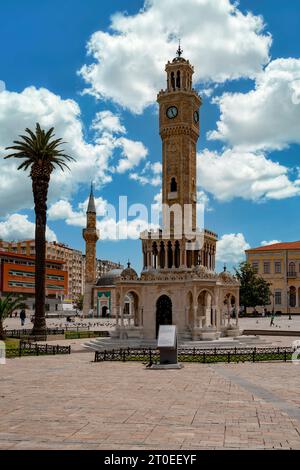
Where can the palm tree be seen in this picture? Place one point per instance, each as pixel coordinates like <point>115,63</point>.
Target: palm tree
<point>7,305</point>
<point>41,153</point>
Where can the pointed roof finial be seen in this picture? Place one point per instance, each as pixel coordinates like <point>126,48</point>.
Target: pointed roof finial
<point>225,268</point>
<point>179,50</point>
<point>91,205</point>
<point>128,264</point>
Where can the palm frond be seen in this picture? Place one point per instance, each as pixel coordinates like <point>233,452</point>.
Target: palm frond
<point>40,147</point>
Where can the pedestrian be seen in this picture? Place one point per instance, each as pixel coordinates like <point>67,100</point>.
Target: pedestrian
<point>23,316</point>
<point>91,313</point>
<point>264,312</point>
<point>272,318</point>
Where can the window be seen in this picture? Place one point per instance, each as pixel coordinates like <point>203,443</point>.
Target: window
<point>173,185</point>
<point>277,267</point>
<point>278,298</point>
<point>266,267</point>
<point>292,268</point>
<point>255,266</point>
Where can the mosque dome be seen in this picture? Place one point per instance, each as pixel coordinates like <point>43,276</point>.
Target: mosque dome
<point>129,273</point>
<point>110,278</point>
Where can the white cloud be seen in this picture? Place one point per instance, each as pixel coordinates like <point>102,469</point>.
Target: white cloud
<point>272,242</point>
<point>93,160</point>
<point>2,86</point>
<point>267,117</point>
<point>123,229</point>
<point>106,121</point>
<point>62,210</point>
<point>132,154</point>
<point>150,174</point>
<point>231,248</point>
<point>129,61</point>
<point>244,174</point>
<point>108,225</point>
<point>18,227</point>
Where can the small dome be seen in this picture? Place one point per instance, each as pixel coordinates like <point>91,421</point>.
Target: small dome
<point>129,273</point>
<point>110,278</point>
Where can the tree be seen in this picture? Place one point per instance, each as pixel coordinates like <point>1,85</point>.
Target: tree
<point>7,305</point>
<point>254,289</point>
<point>42,154</point>
<point>78,304</point>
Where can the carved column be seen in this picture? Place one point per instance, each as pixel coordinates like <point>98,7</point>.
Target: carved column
<point>117,314</point>
<point>122,314</point>
<point>195,316</point>
<point>167,255</point>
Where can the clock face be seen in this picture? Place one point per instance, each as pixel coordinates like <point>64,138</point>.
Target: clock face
<point>172,112</point>
<point>196,117</point>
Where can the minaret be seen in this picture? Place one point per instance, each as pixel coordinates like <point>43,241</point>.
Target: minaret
<point>91,236</point>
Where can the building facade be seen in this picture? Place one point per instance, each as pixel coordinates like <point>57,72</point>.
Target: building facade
<point>17,277</point>
<point>74,263</point>
<point>279,264</point>
<point>178,284</point>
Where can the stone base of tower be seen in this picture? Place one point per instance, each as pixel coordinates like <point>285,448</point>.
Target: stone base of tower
<point>87,299</point>
<point>203,304</point>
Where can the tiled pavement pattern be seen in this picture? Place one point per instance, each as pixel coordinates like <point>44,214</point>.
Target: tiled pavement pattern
<point>69,402</point>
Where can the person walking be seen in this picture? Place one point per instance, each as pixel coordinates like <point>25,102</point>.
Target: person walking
<point>272,318</point>
<point>23,316</point>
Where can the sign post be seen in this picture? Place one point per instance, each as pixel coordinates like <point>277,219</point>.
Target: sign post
<point>167,345</point>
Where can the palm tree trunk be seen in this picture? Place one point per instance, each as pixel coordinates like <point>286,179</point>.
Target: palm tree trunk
<point>40,192</point>
<point>2,334</point>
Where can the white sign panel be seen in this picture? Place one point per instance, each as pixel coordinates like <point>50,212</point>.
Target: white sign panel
<point>167,336</point>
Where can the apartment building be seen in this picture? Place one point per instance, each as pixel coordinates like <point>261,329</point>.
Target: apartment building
<point>74,263</point>
<point>104,266</point>
<point>279,264</point>
<point>17,277</point>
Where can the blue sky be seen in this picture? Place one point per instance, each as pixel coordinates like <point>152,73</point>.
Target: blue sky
<point>249,81</point>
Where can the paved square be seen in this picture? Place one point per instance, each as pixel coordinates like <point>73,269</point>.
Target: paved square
<point>72,403</point>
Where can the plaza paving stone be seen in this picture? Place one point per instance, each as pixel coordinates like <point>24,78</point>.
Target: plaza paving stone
<point>69,402</point>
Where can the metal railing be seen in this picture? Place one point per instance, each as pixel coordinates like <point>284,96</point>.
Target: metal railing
<point>26,332</point>
<point>72,333</point>
<point>204,356</point>
<point>34,349</point>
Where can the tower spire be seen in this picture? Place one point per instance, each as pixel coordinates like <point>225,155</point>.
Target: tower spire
<point>179,50</point>
<point>91,206</point>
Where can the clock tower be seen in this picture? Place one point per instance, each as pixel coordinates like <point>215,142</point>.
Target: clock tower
<point>179,244</point>
<point>179,107</point>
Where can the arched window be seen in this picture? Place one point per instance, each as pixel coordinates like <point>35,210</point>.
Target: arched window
<point>162,255</point>
<point>173,81</point>
<point>170,255</point>
<point>178,84</point>
<point>292,268</point>
<point>155,255</point>
<point>173,185</point>
<point>177,254</point>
